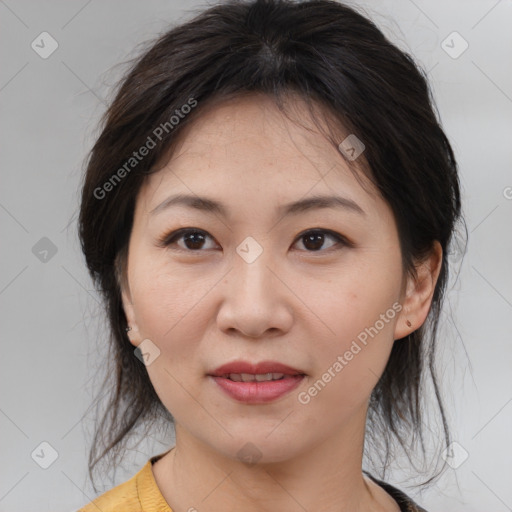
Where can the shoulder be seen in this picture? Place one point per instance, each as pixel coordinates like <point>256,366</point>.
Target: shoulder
<point>138,494</point>
<point>123,497</point>
<point>405,503</point>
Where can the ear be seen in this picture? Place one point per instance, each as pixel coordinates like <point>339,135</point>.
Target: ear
<point>129,311</point>
<point>419,291</point>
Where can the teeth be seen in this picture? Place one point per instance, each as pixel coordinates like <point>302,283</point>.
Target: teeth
<point>249,377</point>
<point>264,376</point>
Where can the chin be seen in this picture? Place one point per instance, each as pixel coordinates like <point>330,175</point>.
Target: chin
<point>255,449</point>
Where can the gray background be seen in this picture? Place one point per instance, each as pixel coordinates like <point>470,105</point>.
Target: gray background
<point>51,328</point>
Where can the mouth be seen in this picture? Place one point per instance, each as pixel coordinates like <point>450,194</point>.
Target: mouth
<point>265,370</point>
<point>256,383</point>
<point>258,377</point>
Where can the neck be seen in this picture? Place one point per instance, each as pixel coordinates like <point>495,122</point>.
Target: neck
<point>231,485</point>
<point>324,478</point>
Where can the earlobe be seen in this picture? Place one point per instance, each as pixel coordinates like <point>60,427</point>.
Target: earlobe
<point>419,293</point>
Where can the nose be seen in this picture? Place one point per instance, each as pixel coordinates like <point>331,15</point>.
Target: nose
<point>256,302</point>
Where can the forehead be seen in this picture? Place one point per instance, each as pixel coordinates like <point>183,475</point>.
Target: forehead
<point>254,122</point>
<point>248,145</point>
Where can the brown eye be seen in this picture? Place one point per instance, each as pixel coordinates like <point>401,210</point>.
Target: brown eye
<point>314,240</point>
<point>192,239</point>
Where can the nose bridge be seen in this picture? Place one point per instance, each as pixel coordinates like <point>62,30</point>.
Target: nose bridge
<point>251,269</point>
<point>253,301</point>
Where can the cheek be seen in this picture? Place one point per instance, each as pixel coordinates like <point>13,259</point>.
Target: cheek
<point>167,314</point>
<point>356,300</point>
<point>167,306</point>
<point>167,302</point>
<point>360,314</point>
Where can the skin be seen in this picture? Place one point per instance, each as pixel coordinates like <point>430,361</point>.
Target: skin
<point>207,306</point>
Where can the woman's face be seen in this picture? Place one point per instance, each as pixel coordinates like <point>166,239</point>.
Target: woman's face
<point>251,282</point>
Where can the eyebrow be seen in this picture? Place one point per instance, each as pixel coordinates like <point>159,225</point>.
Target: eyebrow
<point>209,205</point>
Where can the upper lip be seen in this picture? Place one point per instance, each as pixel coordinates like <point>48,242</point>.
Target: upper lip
<point>263,367</point>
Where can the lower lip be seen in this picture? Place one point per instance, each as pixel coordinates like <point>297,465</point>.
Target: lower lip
<point>258,392</point>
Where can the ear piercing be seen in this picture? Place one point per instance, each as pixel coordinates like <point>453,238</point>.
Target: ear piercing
<point>128,329</point>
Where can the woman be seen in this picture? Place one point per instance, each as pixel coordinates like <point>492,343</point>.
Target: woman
<point>268,212</point>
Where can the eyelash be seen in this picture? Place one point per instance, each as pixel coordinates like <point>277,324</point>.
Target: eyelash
<point>167,240</point>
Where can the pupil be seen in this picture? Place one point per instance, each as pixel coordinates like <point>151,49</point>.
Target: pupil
<point>196,239</point>
<point>315,238</point>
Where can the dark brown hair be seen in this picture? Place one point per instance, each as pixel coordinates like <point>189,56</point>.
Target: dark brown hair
<point>331,57</point>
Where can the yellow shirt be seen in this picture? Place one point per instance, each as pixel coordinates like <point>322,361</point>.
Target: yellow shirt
<point>141,494</point>
<point>138,494</point>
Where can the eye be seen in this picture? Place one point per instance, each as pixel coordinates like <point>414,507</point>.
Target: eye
<point>314,239</point>
<point>194,239</point>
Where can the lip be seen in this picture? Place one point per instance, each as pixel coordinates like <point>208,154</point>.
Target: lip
<point>257,392</point>
<point>255,368</point>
